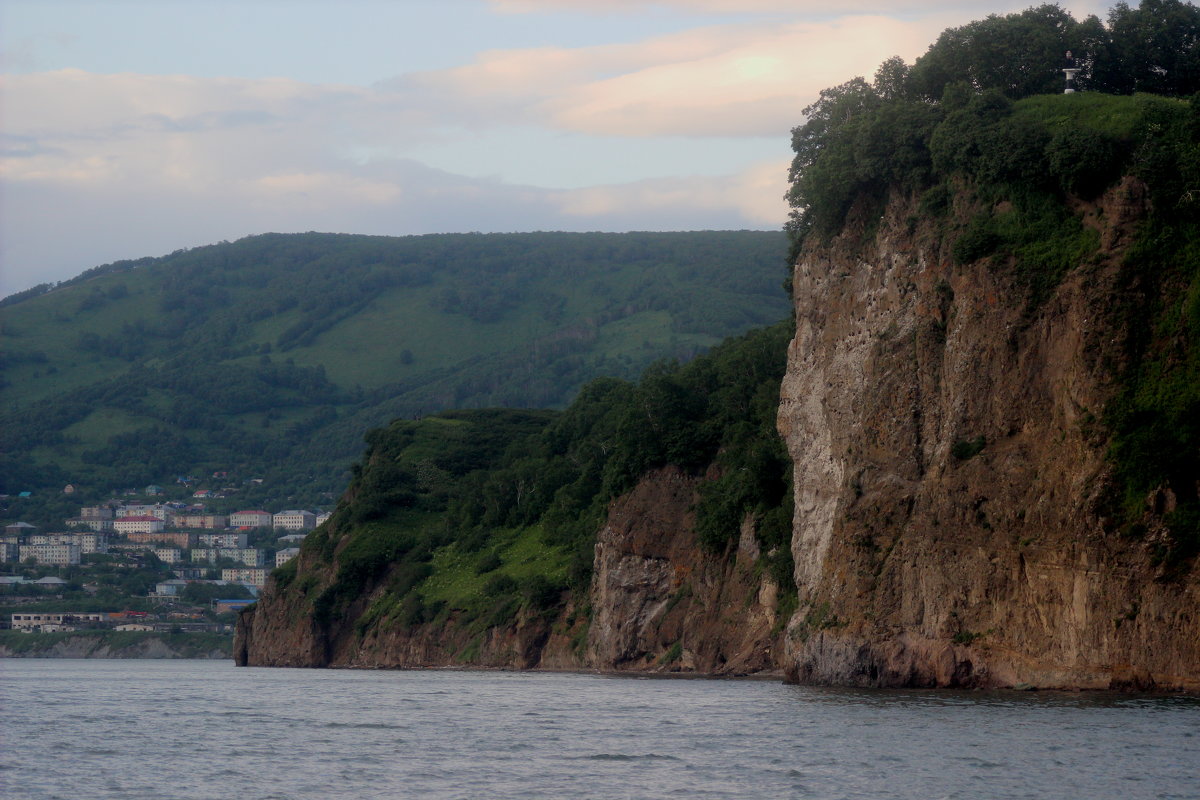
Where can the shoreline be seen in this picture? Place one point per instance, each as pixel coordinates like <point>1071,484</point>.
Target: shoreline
<point>116,645</point>
<point>167,653</point>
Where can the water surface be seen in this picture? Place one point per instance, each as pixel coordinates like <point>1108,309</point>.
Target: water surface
<point>196,729</point>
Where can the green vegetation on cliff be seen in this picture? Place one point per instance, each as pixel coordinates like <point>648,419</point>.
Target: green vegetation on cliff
<point>268,357</point>
<point>484,515</point>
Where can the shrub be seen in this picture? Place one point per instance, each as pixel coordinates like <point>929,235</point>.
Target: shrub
<point>1084,161</point>
<point>979,240</point>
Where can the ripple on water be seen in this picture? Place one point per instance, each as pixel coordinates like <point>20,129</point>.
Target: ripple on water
<point>307,735</point>
<point>385,726</point>
<point>628,757</point>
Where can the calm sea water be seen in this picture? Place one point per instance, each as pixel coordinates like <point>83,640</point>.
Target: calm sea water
<point>192,729</point>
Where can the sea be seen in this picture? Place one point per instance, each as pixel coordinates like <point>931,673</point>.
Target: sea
<point>72,729</point>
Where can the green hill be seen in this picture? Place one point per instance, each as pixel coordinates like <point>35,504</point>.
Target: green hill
<point>270,356</point>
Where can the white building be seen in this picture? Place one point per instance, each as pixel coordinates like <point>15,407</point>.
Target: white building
<point>206,555</point>
<point>97,524</point>
<point>60,555</point>
<point>142,510</point>
<point>295,520</point>
<point>170,588</point>
<point>87,542</point>
<point>285,555</point>
<point>323,517</point>
<point>224,539</point>
<point>169,555</point>
<point>144,523</point>
<point>250,519</point>
<point>48,621</point>
<point>250,556</point>
<point>255,576</point>
<point>96,512</point>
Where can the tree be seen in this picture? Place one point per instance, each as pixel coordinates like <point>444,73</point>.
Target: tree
<point>1019,54</point>
<point>1154,48</point>
<point>822,172</point>
<point>891,79</point>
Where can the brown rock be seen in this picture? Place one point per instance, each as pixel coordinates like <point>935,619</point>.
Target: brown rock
<point>920,564</point>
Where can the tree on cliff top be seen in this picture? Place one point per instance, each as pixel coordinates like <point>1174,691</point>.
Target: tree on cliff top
<point>861,139</point>
<point>1152,48</point>
<point>1019,54</point>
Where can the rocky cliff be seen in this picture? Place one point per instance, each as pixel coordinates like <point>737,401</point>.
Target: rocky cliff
<point>658,603</point>
<point>952,490</point>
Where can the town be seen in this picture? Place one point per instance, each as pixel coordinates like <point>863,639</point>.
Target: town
<point>142,566</point>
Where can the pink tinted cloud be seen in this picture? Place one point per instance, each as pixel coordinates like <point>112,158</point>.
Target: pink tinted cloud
<point>736,80</point>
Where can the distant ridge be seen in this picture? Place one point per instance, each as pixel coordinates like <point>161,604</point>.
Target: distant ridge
<point>271,356</point>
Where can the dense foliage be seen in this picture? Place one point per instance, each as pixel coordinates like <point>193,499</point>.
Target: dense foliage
<point>486,514</point>
<point>267,358</point>
<point>952,114</point>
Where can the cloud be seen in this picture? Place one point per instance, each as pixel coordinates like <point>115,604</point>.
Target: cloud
<point>754,197</point>
<point>753,86</point>
<point>743,80</point>
<point>150,164</point>
<point>96,167</point>
<point>322,190</point>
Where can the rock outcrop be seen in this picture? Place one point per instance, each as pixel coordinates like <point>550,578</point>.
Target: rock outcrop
<point>951,475</point>
<point>661,603</point>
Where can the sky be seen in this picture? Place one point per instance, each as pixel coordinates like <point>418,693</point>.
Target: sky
<point>133,128</point>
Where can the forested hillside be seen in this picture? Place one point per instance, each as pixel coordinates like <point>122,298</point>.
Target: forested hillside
<point>269,357</point>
